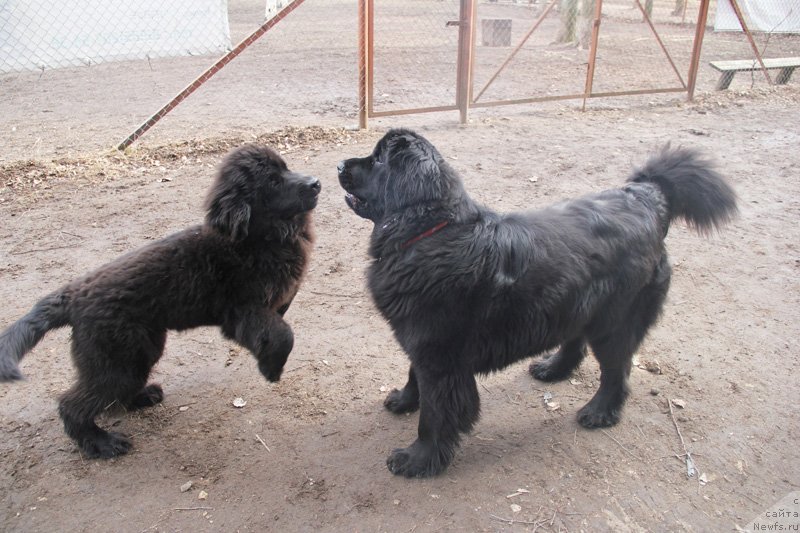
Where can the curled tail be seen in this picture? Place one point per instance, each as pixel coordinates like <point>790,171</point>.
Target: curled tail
<point>693,189</point>
<point>21,336</point>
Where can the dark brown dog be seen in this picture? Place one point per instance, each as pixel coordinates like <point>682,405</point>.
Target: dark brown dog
<point>240,270</point>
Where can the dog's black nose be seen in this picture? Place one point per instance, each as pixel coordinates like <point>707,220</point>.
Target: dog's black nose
<point>315,185</point>
<point>340,167</point>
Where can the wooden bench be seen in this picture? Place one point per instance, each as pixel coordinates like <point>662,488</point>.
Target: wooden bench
<point>729,68</point>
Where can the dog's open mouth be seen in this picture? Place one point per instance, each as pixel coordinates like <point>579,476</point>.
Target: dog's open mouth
<point>354,202</point>
<point>359,206</point>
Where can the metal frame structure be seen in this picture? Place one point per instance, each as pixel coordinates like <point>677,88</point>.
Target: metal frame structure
<point>210,71</point>
<point>464,63</point>
<point>464,99</point>
<point>466,54</point>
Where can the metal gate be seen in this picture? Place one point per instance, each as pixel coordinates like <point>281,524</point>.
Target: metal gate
<point>430,50</point>
<point>415,57</point>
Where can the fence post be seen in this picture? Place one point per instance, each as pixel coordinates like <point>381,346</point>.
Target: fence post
<point>365,53</point>
<point>699,33</point>
<point>466,38</point>
<point>598,13</point>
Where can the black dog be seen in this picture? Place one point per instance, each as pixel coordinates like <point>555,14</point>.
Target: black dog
<point>240,270</point>
<point>467,290</point>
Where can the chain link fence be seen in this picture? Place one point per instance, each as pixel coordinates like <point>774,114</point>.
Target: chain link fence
<point>642,45</point>
<point>39,35</point>
<point>415,51</point>
<point>773,32</point>
<point>302,72</point>
<point>82,74</point>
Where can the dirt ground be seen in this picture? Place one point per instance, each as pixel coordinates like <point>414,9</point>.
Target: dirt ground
<point>308,453</point>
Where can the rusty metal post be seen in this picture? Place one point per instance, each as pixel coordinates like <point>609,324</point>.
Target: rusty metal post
<point>205,76</point>
<point>519,46</point>
<point>466,35</point>
<point>700,31</point>
<point>598,13</point>
<point>749,35</point>
<point>649,22</point>
<point>365,54</point>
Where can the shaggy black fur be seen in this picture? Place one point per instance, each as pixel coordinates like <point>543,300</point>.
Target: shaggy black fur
<point>239,270</point>
<point>467,290</point>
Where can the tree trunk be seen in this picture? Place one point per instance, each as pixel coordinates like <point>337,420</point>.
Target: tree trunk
<point>569,19</point>
<point>587,17</point>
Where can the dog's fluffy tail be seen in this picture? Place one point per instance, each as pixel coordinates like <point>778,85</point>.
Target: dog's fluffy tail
<point>693,189</point>
<point>21,336</point>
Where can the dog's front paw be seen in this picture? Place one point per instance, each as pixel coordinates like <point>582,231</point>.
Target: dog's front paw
<point>399,402</point>
<point>270,372</point>
<point>591,416</point>
<point>418,460</point>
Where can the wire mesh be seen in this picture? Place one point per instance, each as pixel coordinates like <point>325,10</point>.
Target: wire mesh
<point>302,72</point>
<point>643,46</point>
<point>86,73</point>
<point>415,53</point>
<point>38,35</point>
<point>774,32</point>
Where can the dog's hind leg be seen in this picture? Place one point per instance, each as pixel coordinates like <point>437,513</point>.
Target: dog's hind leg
<point>110,375</point>
<point>449,405</point>
<point>614,351</point>
<point>614,354</point>
<point>78,408</point>
<point>151,394</point>
<point>405,400</point>
<point>89,397</point>
<point>560,365</point>
<point>265,334</point>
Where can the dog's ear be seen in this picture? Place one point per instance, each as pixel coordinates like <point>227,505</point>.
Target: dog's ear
<point>229,201</point>
<point>401,142</point>
<point>229,214</point>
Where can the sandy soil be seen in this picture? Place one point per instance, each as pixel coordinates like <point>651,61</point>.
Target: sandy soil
<point>308,453</point>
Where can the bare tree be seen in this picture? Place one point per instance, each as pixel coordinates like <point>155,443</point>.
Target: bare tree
<point>569,20</point>
<point>575,13</point>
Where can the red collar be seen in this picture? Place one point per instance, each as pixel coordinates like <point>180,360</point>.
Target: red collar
<point>425,234</point>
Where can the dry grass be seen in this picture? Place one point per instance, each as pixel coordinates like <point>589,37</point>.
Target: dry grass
<point>27,181</point>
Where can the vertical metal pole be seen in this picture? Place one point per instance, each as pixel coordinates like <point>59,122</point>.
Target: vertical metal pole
<point>371,55</point>
<point>598,13</point>
<point>472,45</point>
<point>464,65</point>
<point>364,63</point>
<point>700,31</point>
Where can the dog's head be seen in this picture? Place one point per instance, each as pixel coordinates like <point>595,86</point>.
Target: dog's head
<point>404,170</point>
<point>254,190</point>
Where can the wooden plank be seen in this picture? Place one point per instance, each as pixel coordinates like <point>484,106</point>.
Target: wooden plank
<point>748,64</point>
